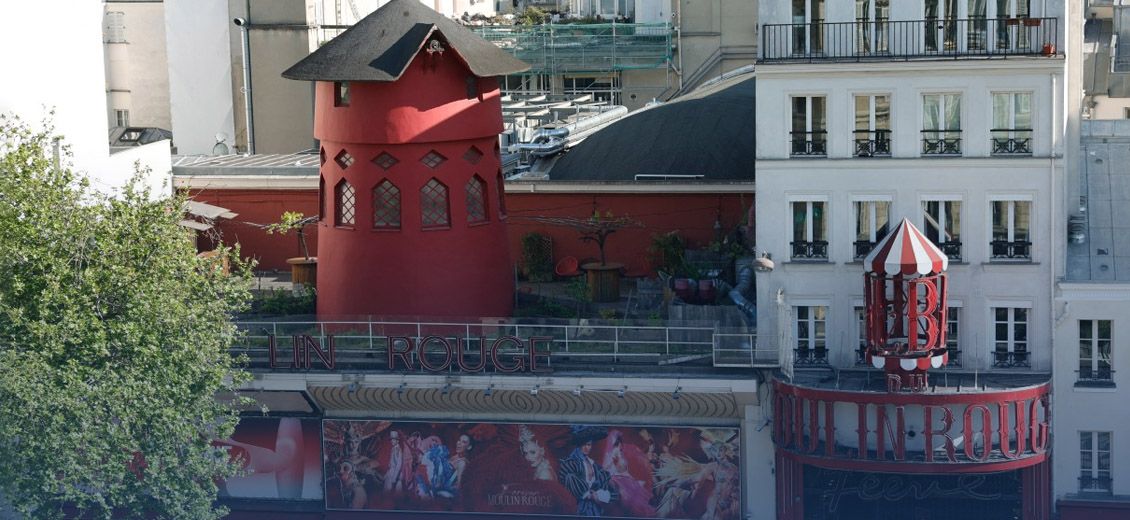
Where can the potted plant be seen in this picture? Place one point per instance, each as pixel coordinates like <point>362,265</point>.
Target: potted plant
<point>303,269</point>
<point>603,277</point>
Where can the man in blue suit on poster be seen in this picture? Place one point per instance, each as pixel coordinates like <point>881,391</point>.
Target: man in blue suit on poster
<point>583,477</point>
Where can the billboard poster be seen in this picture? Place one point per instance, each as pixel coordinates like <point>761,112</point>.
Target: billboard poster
<point>281,458</point>
<point>527,469</point>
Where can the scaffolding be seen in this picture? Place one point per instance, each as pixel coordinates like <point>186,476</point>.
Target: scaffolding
<point>585,48</point>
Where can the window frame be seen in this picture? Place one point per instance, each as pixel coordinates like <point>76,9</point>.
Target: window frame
<point>1011,356</point>
<point>1091,455</point>
<point>812,147</point>
<point>811,243</point>
<point>1011,141</point>
<point>816,351</point>
<point>483,201</point>
<point>340,205</point>
<point>943,133</point>
<point>873,233</point>
<point>399,210</point>
<point>877,142</point>
<point>955,234</point>
<point>1094,360</point>
<point>1010,242</point>
<point>446,203</point>
<point>342,95</point>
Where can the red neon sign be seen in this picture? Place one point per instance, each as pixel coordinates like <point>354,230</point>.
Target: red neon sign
<point>429,354</point>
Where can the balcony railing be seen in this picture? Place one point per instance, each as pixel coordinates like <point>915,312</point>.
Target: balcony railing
<point>811,356</point>
<point>941,142</point>
<point>1015,250</point>
<point>863,248</point>
<point>810,250</point>
<point>954,355</point>
<point>1095,377</point>
<point>1089,484</point>
<point>952,249</point>
<point>906,39</point>
<point>1011,359</point>
<point>872,143</point>
<point>364,344</point>
<point>1011,141</point>
<point>809,143</point>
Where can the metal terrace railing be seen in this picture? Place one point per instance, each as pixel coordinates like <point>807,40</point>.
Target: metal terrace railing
<point>906,39</point>
<point>556,48</point>
<point>365,344</point>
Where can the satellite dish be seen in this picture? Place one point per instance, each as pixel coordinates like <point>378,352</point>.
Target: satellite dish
<point>220,148</point>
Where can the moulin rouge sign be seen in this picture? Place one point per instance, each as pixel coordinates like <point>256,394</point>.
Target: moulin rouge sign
<point>1008,428</point>
<point>429,353</point>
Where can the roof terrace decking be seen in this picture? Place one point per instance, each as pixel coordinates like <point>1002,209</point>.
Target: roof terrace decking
<point>948,38</point>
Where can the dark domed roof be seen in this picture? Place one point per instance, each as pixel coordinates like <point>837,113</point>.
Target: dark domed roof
<point>382,45</point>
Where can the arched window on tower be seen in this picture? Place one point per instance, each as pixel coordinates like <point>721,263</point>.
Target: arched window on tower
<point>321,197</point>
<point>386,206</point>
<point>345,204</point>
<point>501,188</point>
<point>435,211</point>
<point>476,191</point>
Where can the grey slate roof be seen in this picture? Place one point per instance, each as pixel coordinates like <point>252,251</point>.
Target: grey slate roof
<point>1104,256</point>
<point>708,132</point>
<point>382,45</point>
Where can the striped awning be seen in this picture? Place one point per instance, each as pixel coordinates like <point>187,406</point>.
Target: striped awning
<point>905,251</point>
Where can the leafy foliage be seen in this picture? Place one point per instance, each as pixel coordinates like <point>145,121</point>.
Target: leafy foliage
<point>595,228</point>
<point>532,16</point>
<point>537,257</point>
<point>285,303</point>
<point>293,221</point>
<point>114,338</point>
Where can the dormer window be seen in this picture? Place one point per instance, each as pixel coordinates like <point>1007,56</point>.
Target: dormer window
<point>341,93</point>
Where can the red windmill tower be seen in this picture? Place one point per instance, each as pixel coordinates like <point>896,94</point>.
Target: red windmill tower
<point>905,293</point>
<point>407,109</point>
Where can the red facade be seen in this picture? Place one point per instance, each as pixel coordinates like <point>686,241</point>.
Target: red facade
<point>413,220</point>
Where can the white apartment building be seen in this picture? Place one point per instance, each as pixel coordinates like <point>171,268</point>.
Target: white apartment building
<point>1092,304</point>
<point>948,114</point>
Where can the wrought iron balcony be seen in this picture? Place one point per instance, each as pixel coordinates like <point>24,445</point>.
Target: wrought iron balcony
<point>811,356</point>
<point>954,356</point>
<point>809,250</point>
<point>951,249</point>
<point>872,143</point>
<point>1011,141</point>
<point>863,248</point>
<point>1090,484</point>
<point>1006,359</point>
<point>1015,250</point>
<point>1090,376</point>
<point>941,142</point>
<point>809,143</point>
<point>906,39</point>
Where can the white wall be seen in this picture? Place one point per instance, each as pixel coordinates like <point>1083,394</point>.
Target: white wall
<point>200,83</point>
<point>140,66</point>
<point>1091,409</point>
<point>66,73</point>
<point>905,83</point>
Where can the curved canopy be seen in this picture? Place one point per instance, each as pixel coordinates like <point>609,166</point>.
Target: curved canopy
<point>906,251</point>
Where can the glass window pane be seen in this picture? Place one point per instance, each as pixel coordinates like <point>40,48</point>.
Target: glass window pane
<point>862,113</point>
<point>882,112</point>
<point>862,220</point>
<point>1084,329</point>
<point>953,111</point>
<point>1000,111</point>
<point>1085,351</point>
<point>1104,442</point>
<point>1001,313</point>
<point>1021,314</point>
<point>819,223</point>
<point>1104,329</point>
<point>953,220</point>
<point>800,114</point>
<point>931,112</point>
<point>818,114</point>
<point>1023,110</point>
<point>882,218</point>
<point>1000,220</point>
<point>800,218</point>
<point>1021,219</point>
<point>1002,332</point>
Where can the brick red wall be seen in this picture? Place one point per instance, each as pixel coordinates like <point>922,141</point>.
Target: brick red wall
<point>261,207</point>
<point>693,215</point>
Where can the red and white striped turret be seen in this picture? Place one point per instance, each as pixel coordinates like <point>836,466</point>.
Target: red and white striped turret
<point>905,287</point>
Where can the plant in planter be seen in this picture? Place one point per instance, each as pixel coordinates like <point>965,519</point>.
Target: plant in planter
<point>603,277</point>
<point>303,269</point>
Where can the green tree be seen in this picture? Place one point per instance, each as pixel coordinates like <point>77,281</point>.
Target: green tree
<point>532,16</point>
<point>114,342</point>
